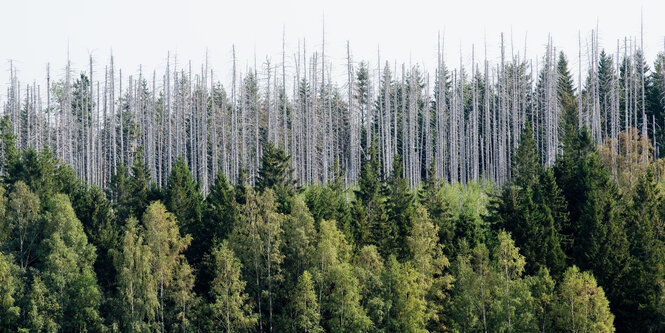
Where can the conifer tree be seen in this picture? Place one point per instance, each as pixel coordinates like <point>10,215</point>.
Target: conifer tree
<point>640,307</point>
<point>185,201</point>
<point>399,207</point>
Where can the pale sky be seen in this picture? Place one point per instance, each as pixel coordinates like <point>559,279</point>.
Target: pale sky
<point>35,32</point>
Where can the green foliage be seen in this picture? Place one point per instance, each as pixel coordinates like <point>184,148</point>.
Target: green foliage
<point>305,306</point>
<point>400,209</point>
<point>137,297</point>
<point>230,305</point>
<point>10,286</point>
<point>24,229</point>
<point>67,272</point>
<point>582,305</point>
<point>257,239</point>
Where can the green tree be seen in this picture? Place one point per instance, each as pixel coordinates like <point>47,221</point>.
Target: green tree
<point>430,264</point>
<point>67,271</point>
<point>42,308</point>
<point>511,309</point>
<point>342,309</point>
<point>257,239</point>
<point>185,201</point>
<point>305,307</point>
<point>643,296</point>
<point>102,230</point>
<point>369,270</point>
<point>275,173</point>
<point>582,306</point>
<point>162,236</point>
<point>399,204</point>
<point>568,103</point>
<point>10,287</point>
<point>137,301</point>
<point>439,210</point>
<point>408,312</point>
<point>24,226</point>
<point>299,241</point>
<point>544,299</point>
<point>220,216</point>
<point>230,304</point>
<point>471,297</point>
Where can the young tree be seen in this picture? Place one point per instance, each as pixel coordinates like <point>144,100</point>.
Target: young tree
<point>408,312</point>
<point>67,272</point>
<point>138,301</point>
<point>163,238</point>
<point>399,204</point>
<point>582,306</point>
<point>257,239</point>
<point>185,201</point>
<point>10,287</point>
<point>24,228</point>
<point>640,307</point>
<point>230,304</point>
<point>305,307</point>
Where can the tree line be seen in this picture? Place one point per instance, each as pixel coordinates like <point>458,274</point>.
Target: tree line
<point>464,121</point>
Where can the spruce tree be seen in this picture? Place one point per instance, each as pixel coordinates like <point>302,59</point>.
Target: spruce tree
<point>642,294</point>
<point>399,207</point>
<point>185,201</point>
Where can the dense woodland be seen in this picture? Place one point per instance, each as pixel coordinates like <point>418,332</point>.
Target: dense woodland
<point>498,199</point>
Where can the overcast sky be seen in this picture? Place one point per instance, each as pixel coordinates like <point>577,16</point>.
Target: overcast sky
<point>34,32</point>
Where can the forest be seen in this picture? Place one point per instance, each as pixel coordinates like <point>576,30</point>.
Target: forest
<point>501,198</point>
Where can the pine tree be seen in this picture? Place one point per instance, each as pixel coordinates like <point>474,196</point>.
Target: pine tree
<point>568,103</point>
<point>526,164</point>
<point>102,230</point>
<point>369,224</point>
<point>230,305</point>
<point>221,214</point>
<point>275,173</point>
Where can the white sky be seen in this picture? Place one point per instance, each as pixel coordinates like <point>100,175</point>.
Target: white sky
<point>34,32</point>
